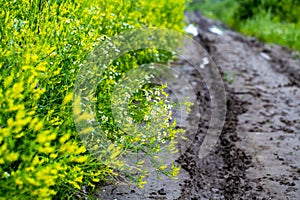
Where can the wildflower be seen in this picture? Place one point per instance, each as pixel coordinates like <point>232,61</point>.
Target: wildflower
<point>35,161</point>
<point>6,174</point>
<point>18,181</point>
<point>32,181</point>
<point>42,66</point>
<point>146,117</point>
<point>67,98</point>
<point>12,156</point>
<point>80,159</point>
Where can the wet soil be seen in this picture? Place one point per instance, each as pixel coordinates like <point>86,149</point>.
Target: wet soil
<point>258,153</point>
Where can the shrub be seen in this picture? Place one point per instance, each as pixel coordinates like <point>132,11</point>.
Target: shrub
<point>42,46</point>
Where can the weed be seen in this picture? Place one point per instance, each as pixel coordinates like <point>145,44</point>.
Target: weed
<point>229,78</point>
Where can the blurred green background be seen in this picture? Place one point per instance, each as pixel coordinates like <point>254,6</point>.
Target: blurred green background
<point>273,21</point>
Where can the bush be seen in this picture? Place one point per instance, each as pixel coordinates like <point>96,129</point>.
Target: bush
<point>42,46</point>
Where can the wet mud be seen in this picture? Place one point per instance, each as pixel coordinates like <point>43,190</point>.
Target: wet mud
<point>257,155</point>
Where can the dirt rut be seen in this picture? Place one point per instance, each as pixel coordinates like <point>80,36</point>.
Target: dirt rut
<point>258,153</point>
<point>267,80</point>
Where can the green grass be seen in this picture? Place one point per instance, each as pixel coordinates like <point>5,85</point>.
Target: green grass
<point>264,26</point>
<point>216,9</point>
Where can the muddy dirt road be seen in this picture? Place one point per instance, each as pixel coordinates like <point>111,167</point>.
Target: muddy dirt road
<point>258,153</point>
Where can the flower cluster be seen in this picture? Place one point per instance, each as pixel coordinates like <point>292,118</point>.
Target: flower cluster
<point>43,44</point>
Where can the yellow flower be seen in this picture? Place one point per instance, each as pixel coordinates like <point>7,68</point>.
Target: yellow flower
<point>53,171</point>
<point>78,179</point>
<point>44,193</point>
<point>32,181</point>
<point>38,126</point>
<point>42,66</point>
<point>41,138</point>
<point>35,161</point>
<point>3,148</point>
<point>52,136</point>
<point>33,122</point>
<point>68,98</point>
<point>56,72</point>
<point>18,181</point>
<point>80,159</point>
<point>26,67</point>
<point>8,81</point>
<point>96,179</point>
<point>46,149</point>
<point>64,138</point>
<point>17,88</point>
<point>53,155</point>
<point>28,169</point>
<point>20,114</point>
<point>27,58</point>
<point>81,149</point>
<point>163,167</point>
<point>12,157</point>
<point>10,122</point>
<point>5,132</point>
<point>19,135</point>
<point>75,184</point>
<point>34,58</point>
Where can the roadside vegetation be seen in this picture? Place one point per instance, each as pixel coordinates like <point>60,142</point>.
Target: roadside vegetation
<point>42,47</point>
<point>272,21</point>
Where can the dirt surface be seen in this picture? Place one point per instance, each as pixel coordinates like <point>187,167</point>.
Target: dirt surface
<point>258,153</point>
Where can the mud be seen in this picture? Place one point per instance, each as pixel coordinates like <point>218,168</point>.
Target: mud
<point>258,153</point>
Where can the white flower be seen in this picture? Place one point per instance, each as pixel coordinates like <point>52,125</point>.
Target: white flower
<point>146,117</point>
<point>129,120</point>
<point>6,174</point>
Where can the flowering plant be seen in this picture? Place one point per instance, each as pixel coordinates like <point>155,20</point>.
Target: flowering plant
<point>42,46</point>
